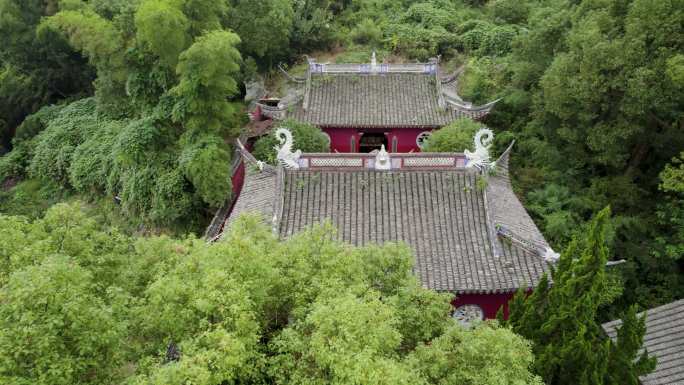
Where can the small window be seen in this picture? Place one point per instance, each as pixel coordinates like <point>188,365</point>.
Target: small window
<point>327,137</point>
<point>352,144</point>
<point>422,138</point>
<point>395,144</point>
<point>467,314</point>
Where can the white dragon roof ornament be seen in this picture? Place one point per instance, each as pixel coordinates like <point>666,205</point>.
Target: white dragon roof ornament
<point>285,156</point>
<point>382,160</point>
<point>480,157</point>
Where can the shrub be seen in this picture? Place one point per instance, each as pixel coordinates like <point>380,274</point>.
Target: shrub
<point>35,123</point>
<point>455,137</point>
<point>56,145</point>
<point>484,79</point>
<point>486,39</point>
<point>13,165</point>
<point>367,32</point>
<point>509,11</point>
<point>307,138</point>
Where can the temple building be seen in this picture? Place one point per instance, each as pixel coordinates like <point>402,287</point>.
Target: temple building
<point>469,233</point>
<point>362,107</point>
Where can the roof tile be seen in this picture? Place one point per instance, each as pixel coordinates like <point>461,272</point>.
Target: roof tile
<point>376,100</point>
<point>440,214</point>
<point>664,339</point>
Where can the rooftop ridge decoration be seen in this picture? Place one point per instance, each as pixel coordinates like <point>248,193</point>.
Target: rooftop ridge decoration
<point>373,94</point>
<point>452,78</point>
<point>514,224</point>
<point>454,99</point>
<point>396,161</point>
<point>469,106</point>
<point>382,159</point>
<point>373,67</point>
<point>285,156</point>
<point>250,159</point>
<point>480,158</point>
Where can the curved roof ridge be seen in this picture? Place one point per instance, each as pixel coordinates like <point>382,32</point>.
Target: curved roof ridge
<point>248,158</point>
<point>469,108</point>
<point>289,77</point>
<point>259,195</point>
<point>455,75</point>
<point>509,217</point>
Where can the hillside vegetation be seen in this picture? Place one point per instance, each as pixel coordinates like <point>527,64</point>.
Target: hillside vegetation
<point>131,106</point>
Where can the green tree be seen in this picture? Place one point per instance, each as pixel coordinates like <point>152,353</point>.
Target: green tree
<point>306,137</point>
<point>670,240</point>
<point>96,37</point>
<point>623,368</point>
<point>84,304</point>
<point>456,137</point>
<point>163,27</point>
<point>472,357</point>
<point>561,320</point>
<point>207,79</point>
<point>58,330</point>
<point>265,34</point>
<point>312,24</point>
<point>206,164</point>
<point>34,70</point>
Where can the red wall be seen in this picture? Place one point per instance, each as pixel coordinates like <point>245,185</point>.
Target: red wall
<point>238,178</point>
<point>340,138</point>
<point>407,139</point>
<point>490,303</point>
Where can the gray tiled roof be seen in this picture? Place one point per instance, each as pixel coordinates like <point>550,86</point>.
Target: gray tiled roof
<point>376,100</point>
<point>664,339</point>
<point>506,209</point>
<point>441,214</point>
<point>258,194</point>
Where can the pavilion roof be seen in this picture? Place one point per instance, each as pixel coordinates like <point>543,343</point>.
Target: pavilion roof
<point>462,240</point>
<point>664,339</point>
<point>376,100</point>
<point>376,96</point>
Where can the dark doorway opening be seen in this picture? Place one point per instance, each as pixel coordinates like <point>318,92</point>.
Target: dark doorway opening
<point>372,141</point>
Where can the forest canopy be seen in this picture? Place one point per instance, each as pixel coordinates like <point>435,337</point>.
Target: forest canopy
<point>133,106</point>
<point>86,304</point>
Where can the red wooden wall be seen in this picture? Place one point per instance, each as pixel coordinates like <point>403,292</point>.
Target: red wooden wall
<point>340,138</point>
<point>490,303</point>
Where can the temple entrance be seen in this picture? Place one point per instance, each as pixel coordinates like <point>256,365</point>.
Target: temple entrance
<point>372,141</point>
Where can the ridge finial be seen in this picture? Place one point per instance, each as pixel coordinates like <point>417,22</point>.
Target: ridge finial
<point>285,156</point>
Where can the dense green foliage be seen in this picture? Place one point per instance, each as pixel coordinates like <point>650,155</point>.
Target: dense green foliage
<point>136,102</point>
<point>591,92</point>
<point>155,134</point>
<point>562,319</point>
<point>306,137</point>
<point>456,137</point>
<point>85,304</point>
<point>34,69</point>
